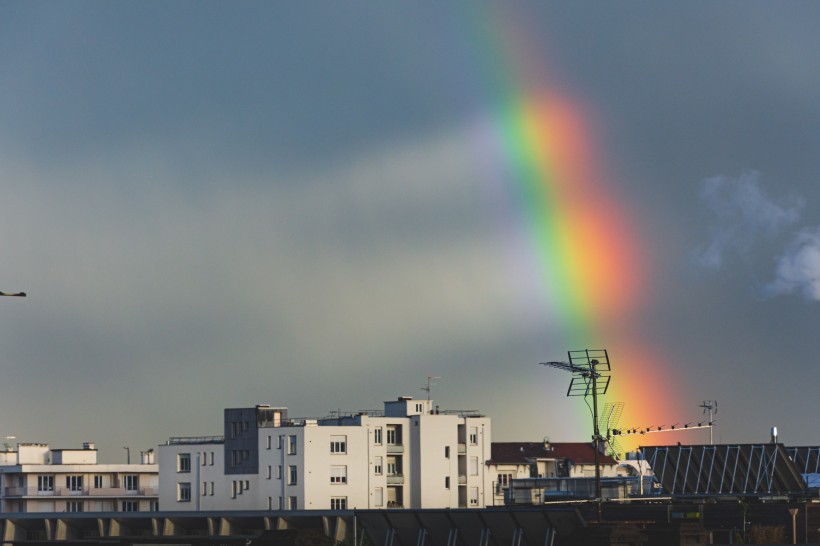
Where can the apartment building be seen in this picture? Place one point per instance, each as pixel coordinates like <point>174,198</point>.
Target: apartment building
<point>37,478</point>
<point>410,455</point>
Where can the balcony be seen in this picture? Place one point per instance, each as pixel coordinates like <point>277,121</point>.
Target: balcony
<point>395,448</point>
<point>19,491</point>
<point>462,480</point>
<point>395,479</point>
<point>122,492</point>
<point>84,492</point>
<point>462,449</point>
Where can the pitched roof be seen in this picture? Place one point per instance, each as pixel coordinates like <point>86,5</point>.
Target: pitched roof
<point>525,452</point>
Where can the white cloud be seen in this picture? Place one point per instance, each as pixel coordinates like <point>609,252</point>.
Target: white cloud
<point>743,214</point>
<point>798,269</point>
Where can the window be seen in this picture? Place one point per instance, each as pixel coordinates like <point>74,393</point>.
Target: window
<point>504,479</point>
<point>130,506</point>
<point>132,482</point>
<point>269,442</point>
<point>184,492</point>
<point>377,466</point>
<point>154,506</point>
<point>474,496</point>
<point>377,435</point>
<point>392,467</point>
<point>74,483</point>
<point>392,436</point>
<point>292,444</point>
<point>270,503</point>
<point>98,482</point>
<point>203,456</point>
<point>233,489</point>
<point>338,503</point>
<point>281,443</point>
<point>418,408</point>
<point>338,474</point>
<point>338,444</point>
<point>204,488</point>
<point>473,436</point>
<point>292,503</point>
<point>212,489</point>
<point>211,458</point>
<point>378,497</point>
<point>74,506</point>
<point>270,472</point>
<point>280,505</point>
<point>447,482</point>
<point>473,466</point>
<point>292,475</point>
<point>279,472</point>
<point>446,452</point>
<point>45,483</point>
<point>184,462</point>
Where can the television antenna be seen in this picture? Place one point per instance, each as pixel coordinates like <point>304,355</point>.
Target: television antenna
<point>429,387</point>
<point>610,417</point>
<point>589,369</point>
<point>710,406</point>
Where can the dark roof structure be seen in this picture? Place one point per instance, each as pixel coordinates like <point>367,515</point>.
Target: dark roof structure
<point>730,470</point>
<point>525,452</point>
<point>805,458</point>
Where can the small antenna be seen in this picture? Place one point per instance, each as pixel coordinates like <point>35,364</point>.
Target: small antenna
<point>429,387</point>
<point>710,406</point>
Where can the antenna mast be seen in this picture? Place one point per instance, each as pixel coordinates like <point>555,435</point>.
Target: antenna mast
<point>429,387</point>
<point>709,406</point>
<point>586,366</point>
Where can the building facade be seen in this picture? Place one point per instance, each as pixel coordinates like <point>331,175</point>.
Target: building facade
<point>36,478</point>
<point>545,460</point>
<point>410,455</point>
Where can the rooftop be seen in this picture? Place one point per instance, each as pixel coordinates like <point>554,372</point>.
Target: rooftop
<point>525,452</point>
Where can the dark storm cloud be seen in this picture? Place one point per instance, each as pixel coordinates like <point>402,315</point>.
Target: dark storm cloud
<point>214,204</point>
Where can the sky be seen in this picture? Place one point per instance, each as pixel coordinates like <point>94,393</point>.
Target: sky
<point>319,205</point>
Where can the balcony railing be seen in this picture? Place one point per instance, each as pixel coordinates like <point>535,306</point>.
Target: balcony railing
<point>86,491</point>
<point>395,448</point>
<point>395,479</point>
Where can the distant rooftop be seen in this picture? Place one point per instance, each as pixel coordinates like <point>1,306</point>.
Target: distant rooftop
<point>524,452</point>
<point>192,440</point>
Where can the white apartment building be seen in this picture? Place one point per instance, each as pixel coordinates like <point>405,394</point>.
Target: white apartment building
<point>411,455</point>
<point>36,478</point>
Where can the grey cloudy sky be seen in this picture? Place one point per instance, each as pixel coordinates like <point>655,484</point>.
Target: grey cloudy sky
<point>215,204</point>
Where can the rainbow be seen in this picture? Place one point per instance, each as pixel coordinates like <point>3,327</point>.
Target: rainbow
<point>591,267</point>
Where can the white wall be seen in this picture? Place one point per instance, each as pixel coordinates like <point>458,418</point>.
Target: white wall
<point>207,465</point>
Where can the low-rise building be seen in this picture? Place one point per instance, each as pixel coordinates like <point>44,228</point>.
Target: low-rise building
<point>545,460</point>
<point>37,478</point>
<point>410,455</point>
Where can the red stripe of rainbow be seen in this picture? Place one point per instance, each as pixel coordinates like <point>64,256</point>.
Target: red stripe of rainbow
<point>589,256</point>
